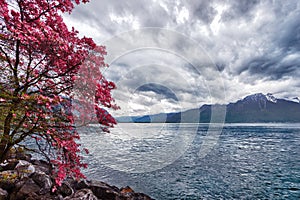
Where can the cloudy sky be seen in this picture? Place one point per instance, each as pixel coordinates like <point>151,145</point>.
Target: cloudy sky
<point>168,55</point>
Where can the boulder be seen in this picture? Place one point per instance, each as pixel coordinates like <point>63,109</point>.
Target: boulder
<point>31,180</point>
<point>3,194</point>
<point>104,191</point>
<point>127,191</point>
<point>81,184</point>
<point>41,166</point>
<point>20,184</point>
<point>139,196</point>
<point>25,168</point>
<point>129,194</point>
<point>66,189</point>
<point>34,196</point>
<point>29,188</point>
<point>83,194</point>
<point>43,180</point>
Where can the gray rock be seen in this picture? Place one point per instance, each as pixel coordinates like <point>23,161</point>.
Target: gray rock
<point>139,196</point>
<point>83,194</point>
<point>25,168</point>
<point>30,188</point>
<point>82,184</point>
<point>65,189</point>
<point>3,194</point>
<point>32,181</point>
<point>127,191</point>
<point>43,180</point>
<point>22,163</point>
<point>129,194</point>
<point>17,187</point>
<point>104,191</point>
<point>41,166</point>
<point>20,183</point>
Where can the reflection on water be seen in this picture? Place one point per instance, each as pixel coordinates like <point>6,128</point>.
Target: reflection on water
<point>248,161</point>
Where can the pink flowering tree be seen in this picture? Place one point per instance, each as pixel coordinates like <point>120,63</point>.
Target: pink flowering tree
<point>45,67</point>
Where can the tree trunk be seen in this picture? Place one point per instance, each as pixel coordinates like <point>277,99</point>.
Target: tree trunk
<point>4,150</point>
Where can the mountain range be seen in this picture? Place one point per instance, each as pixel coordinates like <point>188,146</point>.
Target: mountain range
<point>255,108</point>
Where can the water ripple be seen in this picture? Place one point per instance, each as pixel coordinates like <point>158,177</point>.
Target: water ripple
<point>248,162</point>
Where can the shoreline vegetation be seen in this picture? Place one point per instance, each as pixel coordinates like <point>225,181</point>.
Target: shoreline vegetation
<point>24,178</point>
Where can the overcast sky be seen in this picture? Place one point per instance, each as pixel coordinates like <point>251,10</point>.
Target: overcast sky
<point>168,55</point>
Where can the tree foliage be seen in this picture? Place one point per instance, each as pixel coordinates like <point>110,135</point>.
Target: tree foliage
<point>41,63</point>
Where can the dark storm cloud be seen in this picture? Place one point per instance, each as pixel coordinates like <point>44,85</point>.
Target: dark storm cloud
<point>158,89</point>
<point>202,10</point>
<point>273,68</point>
<point>254,45</point>
<point>283,56</point>
<point>288,34</point>
<point>241,8</point>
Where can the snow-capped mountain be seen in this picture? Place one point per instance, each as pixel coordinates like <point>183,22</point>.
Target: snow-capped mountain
<point>293,99</point>
<point>271,98</point>
<point>296,99</point>
<point>260,97</point>
<point>251,109</point>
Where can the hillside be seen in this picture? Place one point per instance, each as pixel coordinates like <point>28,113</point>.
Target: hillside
<point>251,109</point>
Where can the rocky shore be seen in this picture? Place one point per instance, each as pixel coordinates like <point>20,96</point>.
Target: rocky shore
<point>27,179</point>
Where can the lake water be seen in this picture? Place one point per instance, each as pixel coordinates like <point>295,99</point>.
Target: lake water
<point>198,161</point>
